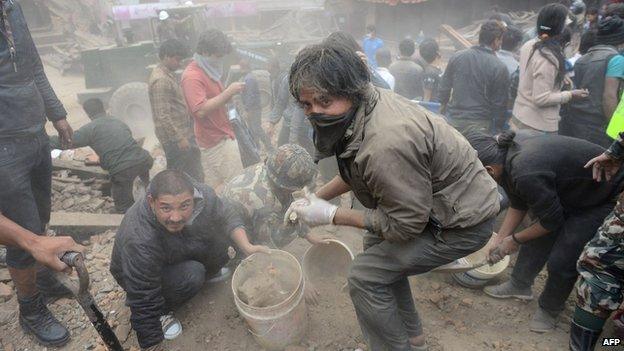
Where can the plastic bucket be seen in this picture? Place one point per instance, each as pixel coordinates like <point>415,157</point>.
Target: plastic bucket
<point>481,276</point>
<point>274,327</point>
<point>327,259</point>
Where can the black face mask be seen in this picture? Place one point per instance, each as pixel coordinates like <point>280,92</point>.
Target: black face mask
<point>329,130</point>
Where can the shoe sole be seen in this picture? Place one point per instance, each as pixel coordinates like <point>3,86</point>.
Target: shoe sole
<point>519,297</point>
<point>58,343</point>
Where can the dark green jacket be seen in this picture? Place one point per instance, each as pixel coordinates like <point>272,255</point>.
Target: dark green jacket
<point>112,140</point>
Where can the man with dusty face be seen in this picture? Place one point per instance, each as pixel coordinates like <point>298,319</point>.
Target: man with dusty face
<point>169,245</point>
<point>172,211</point>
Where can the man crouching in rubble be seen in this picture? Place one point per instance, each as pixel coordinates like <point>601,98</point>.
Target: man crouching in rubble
<point>428,199</point>
<point>166,246</point>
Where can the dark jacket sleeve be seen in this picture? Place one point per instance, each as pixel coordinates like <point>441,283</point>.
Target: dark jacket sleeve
<point>539,192</point>
<point>53,107</point>
<point>499,95</point>
<point>444,92</point>
<point>142,269</point>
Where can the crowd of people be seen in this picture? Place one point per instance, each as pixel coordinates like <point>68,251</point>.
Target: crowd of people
<point>522,116</point>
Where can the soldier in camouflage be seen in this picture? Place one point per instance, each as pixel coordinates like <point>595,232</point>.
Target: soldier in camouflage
<point>601,281</point>
<point>263,192</point>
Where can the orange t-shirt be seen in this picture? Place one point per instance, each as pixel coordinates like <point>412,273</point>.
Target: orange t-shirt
<point>198,87</point>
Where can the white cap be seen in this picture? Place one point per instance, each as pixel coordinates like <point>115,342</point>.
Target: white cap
<point>188,3</point>
<point>163,15</point>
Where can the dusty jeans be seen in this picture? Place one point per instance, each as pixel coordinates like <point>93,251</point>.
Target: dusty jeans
<point>221,162</point>
<point>123,181</point>
<point>380,289</point>
<point>26,178</point>
<point>559,251</point>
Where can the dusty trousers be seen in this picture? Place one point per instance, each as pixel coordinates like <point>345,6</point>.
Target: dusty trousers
<point>379,286</point>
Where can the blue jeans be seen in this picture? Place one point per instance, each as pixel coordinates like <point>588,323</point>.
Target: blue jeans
<point>25,191</point>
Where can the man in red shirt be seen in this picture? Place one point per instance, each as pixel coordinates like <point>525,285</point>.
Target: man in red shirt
<point>206,99</point>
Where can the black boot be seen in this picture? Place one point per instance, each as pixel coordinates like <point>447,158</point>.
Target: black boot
<point>49,287</point>
<point>582,339</point>
<point>35,318</point>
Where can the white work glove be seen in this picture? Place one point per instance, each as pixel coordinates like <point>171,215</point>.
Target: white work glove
<point>311,211</point>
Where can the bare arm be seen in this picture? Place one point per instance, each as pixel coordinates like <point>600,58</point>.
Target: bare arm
<point>240,239</point>
<point>349,217</point>
<point>44,249</point>
<point>333,188</point>
<point>512,220</point>
<point>220,100</point>
<point>609,96</point>
<point>533,232</point>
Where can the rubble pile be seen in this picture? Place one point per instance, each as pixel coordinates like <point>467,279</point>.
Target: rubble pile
<point>72,194</point>
<point>109,297</point>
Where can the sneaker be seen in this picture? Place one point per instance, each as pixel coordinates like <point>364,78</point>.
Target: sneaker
<point>507,290</point>
<point>223,274</point>
<point>171,326</point>
<point>36,319</point>
<point>543,321</point>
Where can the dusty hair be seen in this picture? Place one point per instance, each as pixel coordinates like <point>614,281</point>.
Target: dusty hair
<point>329,69</point>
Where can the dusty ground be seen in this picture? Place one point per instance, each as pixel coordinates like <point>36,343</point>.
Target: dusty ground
<point>455,318</point>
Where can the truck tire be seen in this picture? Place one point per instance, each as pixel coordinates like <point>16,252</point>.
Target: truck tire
<point>130,103</point>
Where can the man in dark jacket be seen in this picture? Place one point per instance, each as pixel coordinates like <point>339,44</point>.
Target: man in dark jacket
<point>166,245</point>
<point>479,83</point>
<point>119,153</point>
<point>26,99</point>
<point>600,71</point>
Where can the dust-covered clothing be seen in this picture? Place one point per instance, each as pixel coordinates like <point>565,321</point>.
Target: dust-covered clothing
<point>172,121</point>
<point>221,162</point>
<point>600,288</point>
<point>412,168</point>
<point>432,76</point>
<point>26,96</point>
<point>198,87</point>
<point>112,141</point>
<point>585,118</point>
<point>144,249</point>
<point>379,286</point>
<point>545,176</point>
<point>252,195</point>
<point>249,103</point>
<point>539,96</point>
<point>475,86</point>
<point>408,78</point>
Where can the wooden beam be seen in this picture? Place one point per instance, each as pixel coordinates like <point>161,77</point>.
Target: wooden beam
<point>80,169</point>
<point>83,225</point>
<point>458,40</point>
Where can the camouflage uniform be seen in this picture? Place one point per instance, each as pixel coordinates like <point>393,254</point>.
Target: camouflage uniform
<point>601,266</point>
<point>262,194</point>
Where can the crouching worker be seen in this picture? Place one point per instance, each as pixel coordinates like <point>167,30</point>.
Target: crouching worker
<point>544,175</point>
<point>119,153</point>
<point>262,194</point>
<point>428,199</point>
<point>170,243</point>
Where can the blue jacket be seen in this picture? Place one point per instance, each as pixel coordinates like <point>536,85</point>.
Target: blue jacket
<point>26,97</point>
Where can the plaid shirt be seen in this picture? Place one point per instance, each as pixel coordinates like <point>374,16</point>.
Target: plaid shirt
<point>171,119</point>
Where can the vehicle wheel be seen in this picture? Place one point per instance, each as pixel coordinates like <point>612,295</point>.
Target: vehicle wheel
<point>130,103</point>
